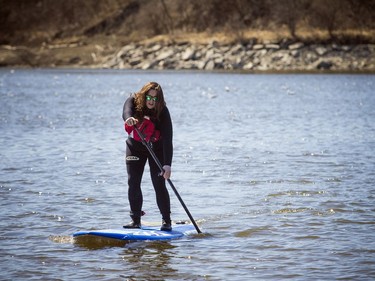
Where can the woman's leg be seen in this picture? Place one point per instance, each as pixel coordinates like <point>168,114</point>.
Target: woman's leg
<point>135,163</point>
<point>162,194</point>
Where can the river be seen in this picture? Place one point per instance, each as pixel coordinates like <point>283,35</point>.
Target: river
<point>277,169</point>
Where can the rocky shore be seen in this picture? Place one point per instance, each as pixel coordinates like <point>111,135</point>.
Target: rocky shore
<point>251,57</point>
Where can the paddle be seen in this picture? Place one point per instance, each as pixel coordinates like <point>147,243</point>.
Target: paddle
<point>169,181</point>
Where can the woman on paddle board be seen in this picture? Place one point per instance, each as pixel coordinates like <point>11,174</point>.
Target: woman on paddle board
<point>147,111</point>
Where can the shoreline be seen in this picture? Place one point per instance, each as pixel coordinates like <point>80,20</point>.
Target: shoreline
<point>217,71</point>
<point>281,57</point>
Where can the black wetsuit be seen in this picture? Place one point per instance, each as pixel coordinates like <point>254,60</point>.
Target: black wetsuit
<point>137,156</point>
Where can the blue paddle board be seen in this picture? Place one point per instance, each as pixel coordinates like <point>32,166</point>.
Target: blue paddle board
<point>144,233</point>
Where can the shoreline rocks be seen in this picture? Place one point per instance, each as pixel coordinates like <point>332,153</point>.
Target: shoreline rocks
<point>257,57</point>
<point>251,57</point>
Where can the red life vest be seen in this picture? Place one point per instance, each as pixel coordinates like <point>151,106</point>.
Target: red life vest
<point>147,128</point>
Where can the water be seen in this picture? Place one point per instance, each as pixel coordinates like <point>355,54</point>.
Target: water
<point>278,171</point>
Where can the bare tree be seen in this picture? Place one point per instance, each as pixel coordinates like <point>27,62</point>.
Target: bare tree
<point>291,13</point>
<point>326,14</point>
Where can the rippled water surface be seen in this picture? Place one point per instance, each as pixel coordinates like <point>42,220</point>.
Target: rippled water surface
<point>278,171</point>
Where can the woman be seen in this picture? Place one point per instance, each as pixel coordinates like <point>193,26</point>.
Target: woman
<point>147,110</point>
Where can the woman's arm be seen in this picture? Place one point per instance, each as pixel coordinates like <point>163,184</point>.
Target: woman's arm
<point>166,131</point>
<point>128,109</point>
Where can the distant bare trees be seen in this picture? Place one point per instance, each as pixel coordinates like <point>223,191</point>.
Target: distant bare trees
<point>144,18</point>
<point>235,16</point>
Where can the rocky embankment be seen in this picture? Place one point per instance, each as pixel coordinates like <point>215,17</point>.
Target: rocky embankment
<point>294,56</point>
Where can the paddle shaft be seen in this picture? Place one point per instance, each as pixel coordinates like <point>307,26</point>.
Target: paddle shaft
<point>169,181</point>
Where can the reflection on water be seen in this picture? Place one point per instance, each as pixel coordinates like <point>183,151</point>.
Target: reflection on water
<point>94,242</point>
<point>152,260</point>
